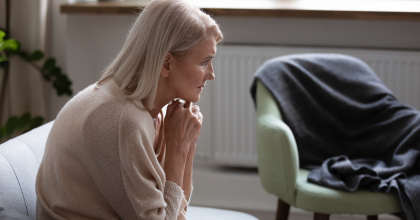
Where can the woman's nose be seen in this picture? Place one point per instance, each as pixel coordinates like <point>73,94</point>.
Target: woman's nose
<point>212,76</point>
<point>211,73</point>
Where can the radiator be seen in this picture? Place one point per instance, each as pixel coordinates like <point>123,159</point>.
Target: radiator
<point>228,133</point>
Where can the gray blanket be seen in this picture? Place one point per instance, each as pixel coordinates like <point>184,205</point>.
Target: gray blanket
<point>350,130</point>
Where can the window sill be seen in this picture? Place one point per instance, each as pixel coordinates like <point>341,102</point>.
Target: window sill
<point>398,10</point>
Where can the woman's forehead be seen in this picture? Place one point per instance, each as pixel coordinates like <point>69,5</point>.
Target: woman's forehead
<point>206,47</point>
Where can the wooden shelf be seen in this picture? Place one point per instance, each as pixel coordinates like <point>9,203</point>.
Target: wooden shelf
<point>400,10</point>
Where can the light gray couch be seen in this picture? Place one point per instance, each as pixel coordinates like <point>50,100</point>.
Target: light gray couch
<point>19,161</point>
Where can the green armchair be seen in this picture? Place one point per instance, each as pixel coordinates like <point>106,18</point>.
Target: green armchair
<point>278,164</point>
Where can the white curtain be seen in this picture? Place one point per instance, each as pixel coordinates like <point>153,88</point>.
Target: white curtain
<point>27,91</point>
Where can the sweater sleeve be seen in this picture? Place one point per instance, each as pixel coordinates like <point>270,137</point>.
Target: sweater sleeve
<point>151,196</point>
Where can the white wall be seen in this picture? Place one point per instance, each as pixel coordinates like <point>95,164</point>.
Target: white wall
<point>101,36</point>
<point>93,40</point>
<point>321,32</point>
<point>58,50</point>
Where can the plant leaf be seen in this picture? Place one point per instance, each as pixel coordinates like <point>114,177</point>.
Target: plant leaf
<point>13,45</point>
<point>35,122</point>
<point>48,64</point>
<point>62,85</point>
<point>11,125</point>
<point>66,80</point>
<point>16,51</point>
<point>24,121</point>
<point>58,88</point>
<point>56,72</point>
<point>2,133</point>
<point>3,59</point>
<point>2,35</point>
<point>69,92</point>
<point>10,45</point>
<point>36,55</point>
<point>6,35</point>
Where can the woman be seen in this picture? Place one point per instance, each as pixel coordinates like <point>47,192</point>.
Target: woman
<point>112,153</point>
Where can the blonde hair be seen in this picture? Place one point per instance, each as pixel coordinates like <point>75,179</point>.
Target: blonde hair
<point>163,26</point>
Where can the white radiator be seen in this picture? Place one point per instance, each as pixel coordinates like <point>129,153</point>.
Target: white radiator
<point>228,133</point>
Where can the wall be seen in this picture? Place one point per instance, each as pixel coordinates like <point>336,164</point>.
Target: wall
<point>111,30</point>
<point>321,32</point>
<point>93,40</point>
<point>58,50</point>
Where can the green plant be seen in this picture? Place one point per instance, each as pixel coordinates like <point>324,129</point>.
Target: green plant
<point>20,124</point>
<point>48,70</point>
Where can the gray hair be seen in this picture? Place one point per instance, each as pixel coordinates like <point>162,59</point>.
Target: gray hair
<point>163,26</point>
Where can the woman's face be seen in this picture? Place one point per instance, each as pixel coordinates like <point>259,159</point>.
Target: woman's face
<point>188,76</point>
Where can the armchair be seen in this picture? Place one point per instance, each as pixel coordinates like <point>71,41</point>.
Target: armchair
<point>280,174</point>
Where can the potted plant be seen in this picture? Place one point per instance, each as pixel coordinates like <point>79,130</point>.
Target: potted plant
<point>48,70</point>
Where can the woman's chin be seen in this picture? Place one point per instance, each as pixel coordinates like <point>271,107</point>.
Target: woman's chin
<point>192,99</point>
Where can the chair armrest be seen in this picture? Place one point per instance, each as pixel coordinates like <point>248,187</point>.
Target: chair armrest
<point>278,160</point>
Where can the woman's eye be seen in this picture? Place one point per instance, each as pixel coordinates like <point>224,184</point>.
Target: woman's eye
<point>204,63</point>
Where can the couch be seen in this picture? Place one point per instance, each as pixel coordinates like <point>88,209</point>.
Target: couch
<point>19,162</point>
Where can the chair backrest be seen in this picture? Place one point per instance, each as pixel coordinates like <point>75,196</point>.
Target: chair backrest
<point>278,160</point>
<point>19,162</point>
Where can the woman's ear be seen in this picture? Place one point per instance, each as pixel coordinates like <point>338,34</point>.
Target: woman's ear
<point>165,67</point>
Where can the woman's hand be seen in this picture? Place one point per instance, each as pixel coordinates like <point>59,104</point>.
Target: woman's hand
<point>196,112</point>
<point>182,126</point>
<point>187,181</point>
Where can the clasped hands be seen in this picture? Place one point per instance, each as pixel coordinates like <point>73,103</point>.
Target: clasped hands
<point>182,125</point>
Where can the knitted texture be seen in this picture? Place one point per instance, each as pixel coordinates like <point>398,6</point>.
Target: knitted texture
<point>100,162</point>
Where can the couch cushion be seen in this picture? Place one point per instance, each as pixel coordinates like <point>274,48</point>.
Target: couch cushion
<point>19,162</point>
<point>12,215</point>
<point>25,167</point>
<point>35,140</point>
<point>10,194</point>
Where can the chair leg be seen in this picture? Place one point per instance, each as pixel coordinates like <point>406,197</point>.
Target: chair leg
<point>372,217</point>
<point>282,210</point>
<point>320,216</point>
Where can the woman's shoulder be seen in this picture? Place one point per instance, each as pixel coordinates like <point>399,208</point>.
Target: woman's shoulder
<point>99,107</point>
<point>135,116</point>
<point>114,105</point>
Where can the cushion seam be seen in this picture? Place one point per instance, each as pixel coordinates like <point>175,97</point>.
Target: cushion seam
<point>28,148</point>
<point>26,205</point>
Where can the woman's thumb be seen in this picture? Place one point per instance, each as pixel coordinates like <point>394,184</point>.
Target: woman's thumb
<point>171,108</point>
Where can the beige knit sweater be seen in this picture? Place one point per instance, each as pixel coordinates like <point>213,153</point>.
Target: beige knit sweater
<point>100,162</point>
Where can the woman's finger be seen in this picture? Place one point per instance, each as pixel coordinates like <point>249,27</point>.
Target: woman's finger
<point>195,110</point>
<point>180,102</point>
<point>188,105</point>
<point>171,108</point>
<point>200,117</point>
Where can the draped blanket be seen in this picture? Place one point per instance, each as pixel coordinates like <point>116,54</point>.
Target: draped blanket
<point>350,130</point>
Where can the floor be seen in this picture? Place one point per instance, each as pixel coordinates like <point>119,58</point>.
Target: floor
<point>308,216</point>
<point>241,190</point>
<point>302,215</point>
